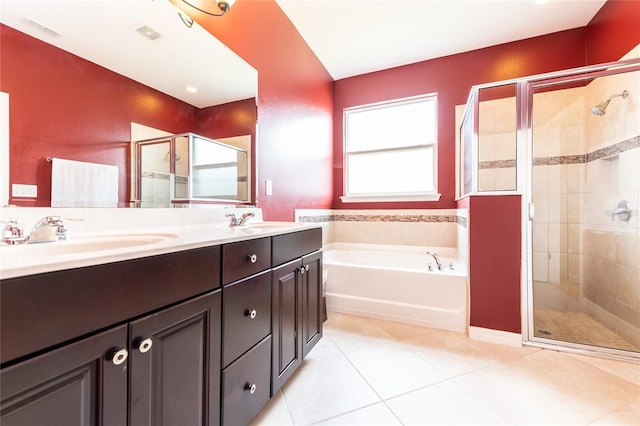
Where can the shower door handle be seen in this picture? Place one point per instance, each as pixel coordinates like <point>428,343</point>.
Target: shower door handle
<point>531,211</point>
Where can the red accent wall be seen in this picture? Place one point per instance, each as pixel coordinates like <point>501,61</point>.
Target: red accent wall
<point>64,106</point>
<point>295,105</point>
<point>495,238</point>
<point>451,77</point>
<point>613,32</point>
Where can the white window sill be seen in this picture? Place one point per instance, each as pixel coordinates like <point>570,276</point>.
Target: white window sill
<point>374,198</point>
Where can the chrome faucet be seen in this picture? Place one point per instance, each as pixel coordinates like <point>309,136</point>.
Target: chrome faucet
<point>49,229</point>
<point>435,257</point>
<point>13,233</point>
<point>46,230</point>
<point>234,221</point>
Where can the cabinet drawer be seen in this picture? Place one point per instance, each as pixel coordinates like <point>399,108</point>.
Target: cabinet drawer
<point>287,247</point>
<point>245,258</point>
<point>246,315</point>
<point>246,385</point>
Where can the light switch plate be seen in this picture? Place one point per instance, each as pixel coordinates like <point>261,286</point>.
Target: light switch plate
<point>24,191</point>
<point>268,187</point>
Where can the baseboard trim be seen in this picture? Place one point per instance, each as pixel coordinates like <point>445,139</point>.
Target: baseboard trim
<point>495,336</point>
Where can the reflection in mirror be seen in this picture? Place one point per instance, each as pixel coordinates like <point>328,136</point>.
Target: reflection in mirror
<point>75,93</point>
<point>183,170</point>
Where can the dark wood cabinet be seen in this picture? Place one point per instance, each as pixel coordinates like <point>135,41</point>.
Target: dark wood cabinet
<point>76,385</point>
<point>174,365</point>
<point>296,301</point>
<point>297,314</point>
<point>246,315</point>
<point>311,301</point>
<point>197,337</point>
<point>286,323</point>
<point>169,362</point>
<point>245,385</point>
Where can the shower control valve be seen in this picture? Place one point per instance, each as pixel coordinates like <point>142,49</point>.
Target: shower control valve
<point>622,211</point>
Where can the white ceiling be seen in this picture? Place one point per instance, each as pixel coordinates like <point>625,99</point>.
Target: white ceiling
<point>102,31</point>
<point>352,37</point>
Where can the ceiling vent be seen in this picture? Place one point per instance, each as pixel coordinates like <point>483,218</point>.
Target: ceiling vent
<point>38,26</point>
<point>148,32</point>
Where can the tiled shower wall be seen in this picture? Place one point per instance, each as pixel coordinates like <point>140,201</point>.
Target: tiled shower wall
<point>583,166</point>
<point>611,281</point>
<point>432,227</point>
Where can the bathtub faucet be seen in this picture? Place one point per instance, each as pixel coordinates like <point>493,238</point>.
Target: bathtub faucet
<point>435,257</point>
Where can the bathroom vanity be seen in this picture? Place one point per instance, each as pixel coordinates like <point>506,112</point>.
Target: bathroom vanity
<point>190,336</point>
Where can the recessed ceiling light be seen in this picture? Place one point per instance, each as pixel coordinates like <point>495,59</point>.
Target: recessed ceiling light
<point>191,89</point>
<point>542,1</point>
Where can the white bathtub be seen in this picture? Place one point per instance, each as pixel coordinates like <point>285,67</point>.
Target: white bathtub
<point>393,283</point>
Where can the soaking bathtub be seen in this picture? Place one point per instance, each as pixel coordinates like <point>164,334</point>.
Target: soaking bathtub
<point>394,283</point>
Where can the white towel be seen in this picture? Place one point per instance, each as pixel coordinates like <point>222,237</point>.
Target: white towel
<point>80,184</point>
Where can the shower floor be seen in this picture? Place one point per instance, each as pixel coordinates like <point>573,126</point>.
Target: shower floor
<point>577,328</point>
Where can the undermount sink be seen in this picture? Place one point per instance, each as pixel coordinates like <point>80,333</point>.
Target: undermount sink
<point>88,244</point>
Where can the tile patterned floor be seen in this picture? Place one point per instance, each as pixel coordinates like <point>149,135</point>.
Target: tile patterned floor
<point>372,372</point>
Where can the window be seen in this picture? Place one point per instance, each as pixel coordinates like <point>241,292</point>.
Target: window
<point>390,151</point>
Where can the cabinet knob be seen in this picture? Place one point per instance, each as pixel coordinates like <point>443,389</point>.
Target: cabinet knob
<point>306,268</point>
<point>119,356</point>
<point>250,387</point>
<point>252,258</point>
<point>251,313</point>
<point>301,270</point>
<point>144,345</point>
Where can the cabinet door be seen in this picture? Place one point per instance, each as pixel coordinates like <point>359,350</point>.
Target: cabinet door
<point>286,323</point>
<point>174,365</point>
<point>76,385</point>
<point>311,301</point>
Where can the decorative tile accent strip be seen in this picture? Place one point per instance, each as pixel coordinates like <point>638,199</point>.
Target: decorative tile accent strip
<point>155,175</point>
<point>386,218</point>
<point>497,164</point>
<point>614,149</point>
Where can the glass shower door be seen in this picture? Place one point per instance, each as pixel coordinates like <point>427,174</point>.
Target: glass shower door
<point>585,244</point>
<point>155,174</point>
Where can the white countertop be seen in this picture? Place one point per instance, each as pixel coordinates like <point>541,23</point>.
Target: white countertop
<point>29,259</point>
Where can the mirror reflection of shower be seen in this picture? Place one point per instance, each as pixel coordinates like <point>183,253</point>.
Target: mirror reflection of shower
<point>601,108</point>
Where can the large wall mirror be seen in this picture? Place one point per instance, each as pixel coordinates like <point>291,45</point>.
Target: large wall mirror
<point>84,76</point>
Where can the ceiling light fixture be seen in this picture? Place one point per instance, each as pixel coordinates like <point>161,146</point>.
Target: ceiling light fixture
<point>223,6</point>
<point>185,19</point>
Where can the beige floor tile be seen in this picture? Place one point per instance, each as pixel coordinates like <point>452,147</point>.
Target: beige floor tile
<point>351,333</point>
<point>275,413</point>
<point>625,415</point>
<point>324,388</point>
<point>325,348</point>
<point>373,415</point>
<point>443,404</point>
<point>548,387</point>
<point>392,370</point>
<point>457,381</point>
<point>625,370</point>
<point>454,353</point>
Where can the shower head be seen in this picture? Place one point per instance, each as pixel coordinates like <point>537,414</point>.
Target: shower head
<point>602,106</point>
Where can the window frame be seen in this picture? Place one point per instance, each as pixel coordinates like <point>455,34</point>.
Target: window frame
<point>432,195</point>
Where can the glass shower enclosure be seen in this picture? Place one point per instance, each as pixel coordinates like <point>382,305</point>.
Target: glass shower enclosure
<point>178,170</point>
<point>569,143</point>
